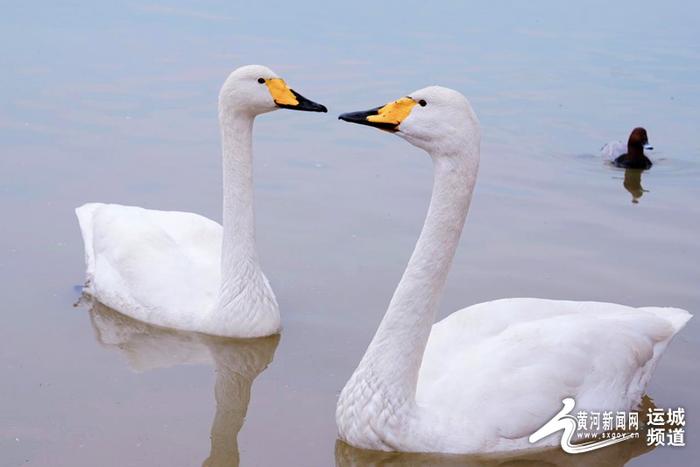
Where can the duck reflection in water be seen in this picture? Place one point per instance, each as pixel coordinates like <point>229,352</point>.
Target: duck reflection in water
<point>633,184</point>
<point>237,363</point>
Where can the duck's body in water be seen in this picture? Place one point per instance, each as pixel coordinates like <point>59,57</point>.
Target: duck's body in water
<point>634,158</point>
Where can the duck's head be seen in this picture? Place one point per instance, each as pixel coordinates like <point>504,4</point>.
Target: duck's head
<point>638,140</point>
<point>436,119</point>
<point>255,89</point>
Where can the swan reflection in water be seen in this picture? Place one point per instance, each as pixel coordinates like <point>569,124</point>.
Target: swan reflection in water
<point>633,184</point>
<point>237,362</point>
<point>616,455</point>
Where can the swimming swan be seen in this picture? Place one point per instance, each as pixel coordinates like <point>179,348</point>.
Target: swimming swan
<point>630,155</point>
<point>180,270</point>
<point>488,376</point>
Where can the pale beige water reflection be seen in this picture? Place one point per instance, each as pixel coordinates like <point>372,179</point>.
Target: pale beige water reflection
<point>615,456</point>
<point>237,362</point>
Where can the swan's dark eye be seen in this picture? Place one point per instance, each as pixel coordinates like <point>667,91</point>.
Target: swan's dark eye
<point>261,81</point>
<point>422,103</point>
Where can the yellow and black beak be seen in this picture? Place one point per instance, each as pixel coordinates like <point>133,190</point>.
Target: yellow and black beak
<point>287,98</point>
<point>388,117</point>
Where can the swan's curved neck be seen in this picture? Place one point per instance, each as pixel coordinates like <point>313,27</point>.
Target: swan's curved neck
<point>246,305</point>
<point>238,253</point>
<point>394,357</point>
<point>239,217</point>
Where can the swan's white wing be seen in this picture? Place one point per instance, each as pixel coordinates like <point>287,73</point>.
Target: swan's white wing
<point>160,267</point>
<point>499,370</point>
<point>613,150</point>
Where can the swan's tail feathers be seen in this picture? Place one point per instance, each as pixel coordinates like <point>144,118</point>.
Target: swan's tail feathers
<point>86,214</point>
<point>678,317</point>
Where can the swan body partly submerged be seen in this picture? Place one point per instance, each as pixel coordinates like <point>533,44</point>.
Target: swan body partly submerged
<point>160,267</point>
<point>181,270</point>
<point>486,377</point>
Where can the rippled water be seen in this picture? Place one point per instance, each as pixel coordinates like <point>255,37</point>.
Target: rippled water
<point>118,104</point>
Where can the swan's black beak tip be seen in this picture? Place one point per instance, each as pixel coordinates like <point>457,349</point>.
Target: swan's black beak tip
<point>354,117</point>
<point>362,118</point>
<point>304,104</point>
<point>314,107</point>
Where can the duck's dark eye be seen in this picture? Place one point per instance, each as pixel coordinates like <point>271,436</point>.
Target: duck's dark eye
<point>261,81</point>
<point>422,103</point>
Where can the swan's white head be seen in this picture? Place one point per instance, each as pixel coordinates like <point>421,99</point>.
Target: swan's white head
<point>436,119</point>
<point>255,89</point>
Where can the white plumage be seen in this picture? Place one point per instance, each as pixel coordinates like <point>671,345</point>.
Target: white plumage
<point>181,270</point>
<point>509,363</point>
<point>159,267</point>
<point>488,376</point>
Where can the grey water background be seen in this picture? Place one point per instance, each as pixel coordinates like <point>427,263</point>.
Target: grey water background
<point>117,103</point>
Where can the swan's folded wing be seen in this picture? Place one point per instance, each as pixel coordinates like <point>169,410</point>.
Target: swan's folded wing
<point>160,267</point>
<point>506,365</point>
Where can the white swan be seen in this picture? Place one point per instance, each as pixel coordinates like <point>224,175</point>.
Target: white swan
<point>486,377</point>
<point>181,270</point>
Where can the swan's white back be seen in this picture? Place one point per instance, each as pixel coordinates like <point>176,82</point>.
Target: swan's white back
<point>163,268</point>
<point>495,372</point>
<point>160,267</point>
<point>506,365</point>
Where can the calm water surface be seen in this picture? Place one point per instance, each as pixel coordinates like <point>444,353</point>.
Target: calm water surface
<point>118,104</point>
